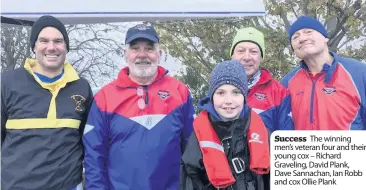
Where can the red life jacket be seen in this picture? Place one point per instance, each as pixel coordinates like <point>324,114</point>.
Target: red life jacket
<point>213,155</point>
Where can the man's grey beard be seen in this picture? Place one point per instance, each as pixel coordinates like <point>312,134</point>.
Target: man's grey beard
<point>144,72</point>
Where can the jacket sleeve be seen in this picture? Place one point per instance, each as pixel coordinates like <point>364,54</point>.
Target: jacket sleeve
<point>282,118</point>
<point>4,116</point>
<point>363,104</point>
<point>189,114</point>
<point>185,181</point>
<point>364,115</point>
<point>191,168</point>
<point>88,103</point>
<point>284,114</point>
<point>95,140</point>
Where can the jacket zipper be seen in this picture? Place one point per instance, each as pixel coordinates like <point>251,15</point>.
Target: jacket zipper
<point>146,95</point>
<point>147,87</point>
<point>312,97</point>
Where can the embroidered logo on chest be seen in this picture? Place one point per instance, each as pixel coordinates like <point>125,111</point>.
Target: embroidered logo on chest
<point>260,96</point>
<point>79,101</point>
<point>163,94</point>
<point>328,90</point>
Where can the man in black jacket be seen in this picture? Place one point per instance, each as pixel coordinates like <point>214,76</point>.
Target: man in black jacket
<point>44,107</point>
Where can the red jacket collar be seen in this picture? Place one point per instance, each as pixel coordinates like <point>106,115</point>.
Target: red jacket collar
<point>266,77</point>
<point>123,80</point>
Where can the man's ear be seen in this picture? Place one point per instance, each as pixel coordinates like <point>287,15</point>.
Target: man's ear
<point>160,52</point>
<point>125,55</point>
<point>326,40</point>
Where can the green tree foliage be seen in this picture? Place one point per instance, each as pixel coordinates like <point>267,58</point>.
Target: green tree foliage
<point>200,44</point>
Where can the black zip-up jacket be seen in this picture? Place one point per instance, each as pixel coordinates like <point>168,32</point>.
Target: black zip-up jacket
<point>41,129</point>
<point>193,173</point>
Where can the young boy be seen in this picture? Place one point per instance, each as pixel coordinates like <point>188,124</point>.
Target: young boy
<point>229,147</point>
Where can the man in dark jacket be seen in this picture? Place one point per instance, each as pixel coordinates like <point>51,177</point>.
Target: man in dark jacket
<point>44,106</point>
<point>229,147</point>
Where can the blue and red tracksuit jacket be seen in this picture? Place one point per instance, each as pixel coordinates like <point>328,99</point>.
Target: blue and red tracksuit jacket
<point>131,148</point>
<point>333,99</point>
<point>271,101</point>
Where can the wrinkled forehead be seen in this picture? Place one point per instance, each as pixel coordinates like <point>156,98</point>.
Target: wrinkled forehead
<point>304,30</point>
<point>247,45</point>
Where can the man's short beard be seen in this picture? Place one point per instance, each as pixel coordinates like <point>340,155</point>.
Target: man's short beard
<point>143,72</point>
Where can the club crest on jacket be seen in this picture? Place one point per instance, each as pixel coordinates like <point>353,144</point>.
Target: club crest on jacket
<point>329,90</point>
<point>260,96</point>
<point>163,94</point>
<point>79,101</point>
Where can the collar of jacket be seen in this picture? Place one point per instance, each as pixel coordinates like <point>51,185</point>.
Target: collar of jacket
<point>70,73</point>
<point>327,69</point>
<point>124,80</point>
<point>265,77</point>
<point>254,79</point>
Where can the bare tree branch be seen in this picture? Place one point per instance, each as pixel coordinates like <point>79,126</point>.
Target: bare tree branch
<point>334,43</point>
<point>283,15</point>
<point>265,23</point>
<point>305,9</point>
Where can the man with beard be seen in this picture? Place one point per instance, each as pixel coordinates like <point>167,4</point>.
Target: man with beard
<point>44,106</point>
<point>327,90</point>
<point>139,123</point>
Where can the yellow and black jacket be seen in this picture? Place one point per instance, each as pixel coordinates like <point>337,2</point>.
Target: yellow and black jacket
<point>41,129</point>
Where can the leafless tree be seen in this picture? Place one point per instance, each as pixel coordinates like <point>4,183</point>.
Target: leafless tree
<point>96,50</point>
